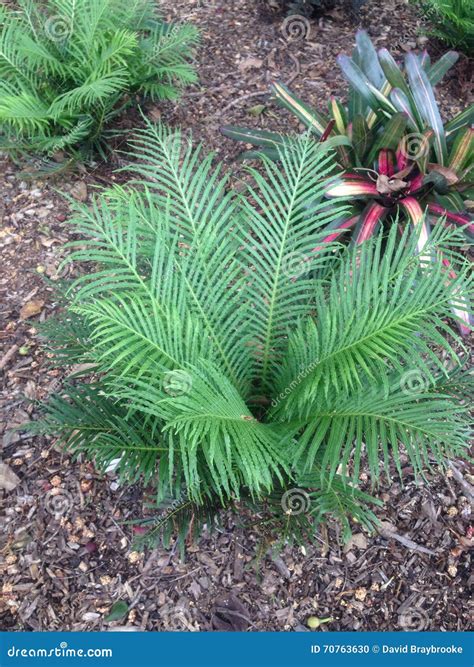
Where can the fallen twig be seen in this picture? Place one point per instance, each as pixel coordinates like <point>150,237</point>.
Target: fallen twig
<point>389,533</point>
<point>458,476</point>
<point>7,356</point>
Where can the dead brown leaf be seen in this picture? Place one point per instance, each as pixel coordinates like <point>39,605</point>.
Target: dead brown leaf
<point>79,191</point>
<point>31,308</point>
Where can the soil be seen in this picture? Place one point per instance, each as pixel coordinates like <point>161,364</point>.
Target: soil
<point>65,566</point>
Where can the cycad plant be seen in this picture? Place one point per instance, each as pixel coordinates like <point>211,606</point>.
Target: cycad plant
<point>68,67</point>
<point>451,21</point>
<point>230,360</point>
<point>396,157</point>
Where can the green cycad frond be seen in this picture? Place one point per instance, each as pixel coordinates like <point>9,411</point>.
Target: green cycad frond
<point>195,265</point>
<point>376,422</point>
<point>341,501</point>
<point>194,329</point>
<point>280,236</point>
<point>388,315</point>
<point>165,57</point>
<point>293,511</point>
<point>87,421</point>
<point>91,92</point>
<point>209,426</point>
<point>24,110</point>
<point>136,334</point>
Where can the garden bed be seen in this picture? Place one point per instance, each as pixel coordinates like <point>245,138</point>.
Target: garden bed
<point>67,572</point>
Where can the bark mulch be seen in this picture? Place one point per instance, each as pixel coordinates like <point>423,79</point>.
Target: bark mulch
<point>66,550</point>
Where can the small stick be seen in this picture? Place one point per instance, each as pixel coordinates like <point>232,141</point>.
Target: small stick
<point>239,100</point>
<point>7,356</point>
<point>458,476</point>
<point>405,541</point>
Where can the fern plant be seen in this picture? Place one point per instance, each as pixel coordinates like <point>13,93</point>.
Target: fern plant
<point>68,67</point>
<point>233,360</point>
<point>452,22</point>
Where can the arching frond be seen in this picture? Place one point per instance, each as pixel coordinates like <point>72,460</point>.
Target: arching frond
<point>378,312</point>
<point>376,422</point>
<point>279,240</point>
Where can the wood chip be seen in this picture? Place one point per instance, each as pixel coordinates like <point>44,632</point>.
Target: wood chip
<point>8,479</point>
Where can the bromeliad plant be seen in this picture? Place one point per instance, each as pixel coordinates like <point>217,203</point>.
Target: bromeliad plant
<point>395,155</point>
<point>68,67</point>
<point>231,364</point>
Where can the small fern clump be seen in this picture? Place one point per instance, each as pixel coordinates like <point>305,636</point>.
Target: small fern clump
<point>67,67</point>
<point>236,358</point>
<point>451,21</point>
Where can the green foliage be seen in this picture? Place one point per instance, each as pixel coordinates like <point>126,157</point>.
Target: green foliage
<point>395,155</point>
<point>452,21</point>
<point>67,67</point>
<point>230,359</point>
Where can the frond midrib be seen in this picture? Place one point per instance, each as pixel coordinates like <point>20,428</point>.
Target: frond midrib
<point>271,309</point>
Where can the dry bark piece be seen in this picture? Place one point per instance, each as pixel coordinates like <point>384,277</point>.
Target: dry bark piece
<point>8,479</point>
<point>250,63</point>
<point>7,356</point>
<point>230,615</point>
<point>358,540</point>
